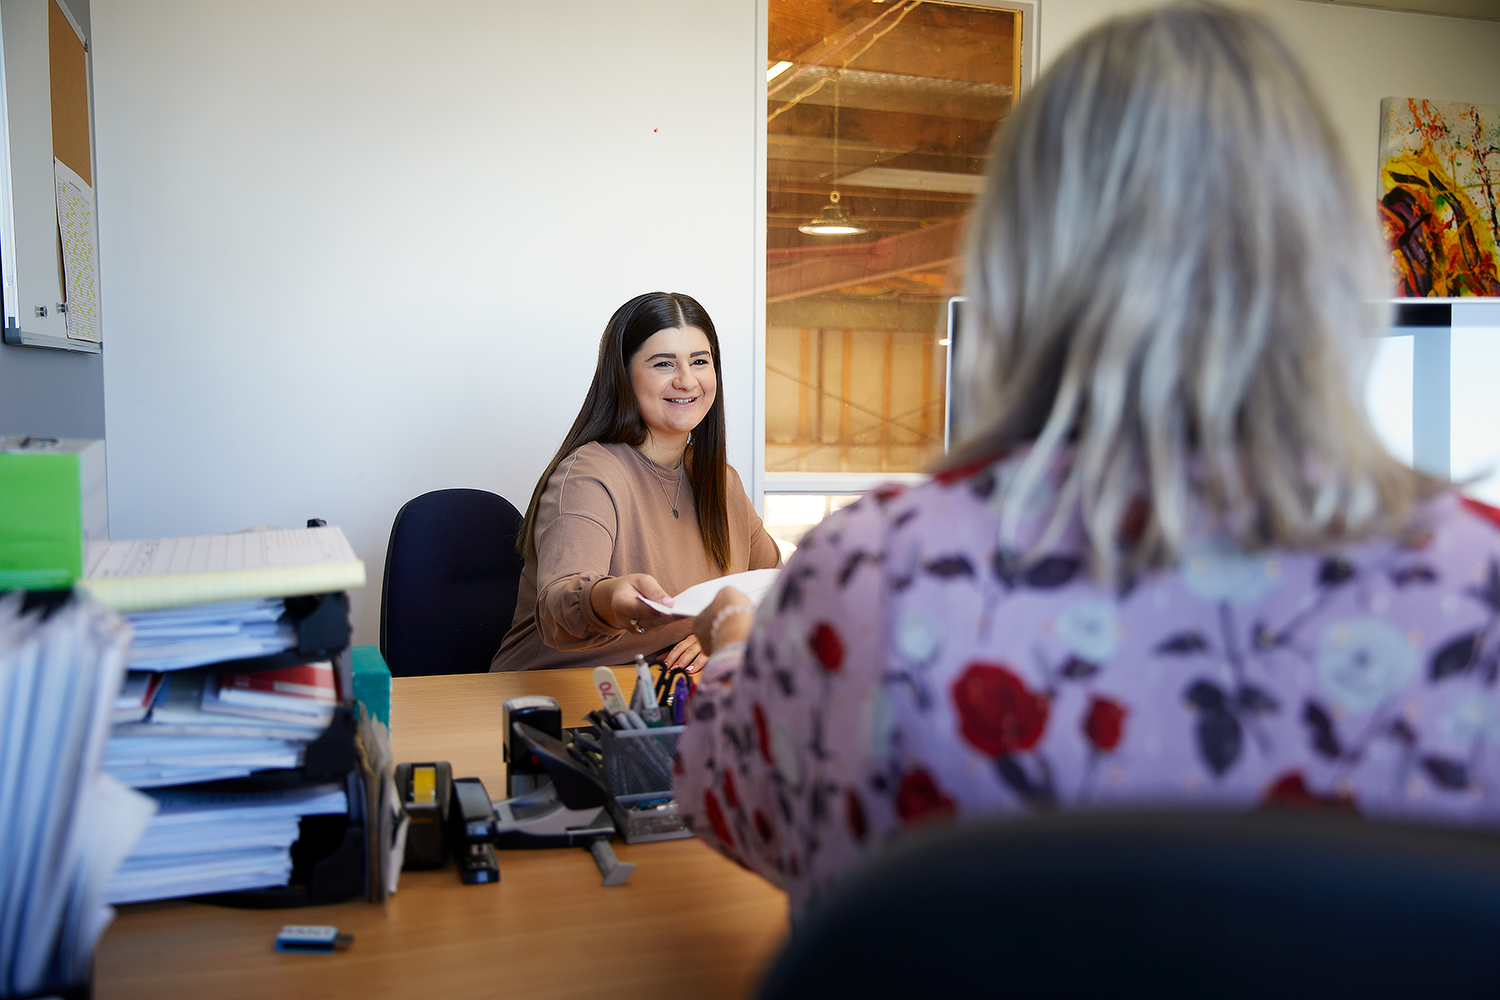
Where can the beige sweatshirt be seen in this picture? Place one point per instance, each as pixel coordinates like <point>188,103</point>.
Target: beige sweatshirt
<point>607,511</point>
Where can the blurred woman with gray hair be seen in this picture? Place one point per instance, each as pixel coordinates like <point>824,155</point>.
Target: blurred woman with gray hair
<point>1171,564</point>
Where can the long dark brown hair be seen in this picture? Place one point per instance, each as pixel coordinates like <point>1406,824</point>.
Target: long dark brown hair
<point>610,415</point>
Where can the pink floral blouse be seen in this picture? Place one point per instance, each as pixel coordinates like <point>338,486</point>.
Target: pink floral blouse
<point>904,669</point>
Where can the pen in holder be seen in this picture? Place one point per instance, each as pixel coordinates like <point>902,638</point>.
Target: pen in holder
<point>638,774</point>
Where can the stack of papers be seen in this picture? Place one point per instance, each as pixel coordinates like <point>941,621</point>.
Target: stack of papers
<point>186,720</point>
<point>178,711</point>
<point>304,695</point>
<point>179,638</point>
<point>207,841</point>
<point>154,761</point>
<point>188,737</point>
<point>66,826</point>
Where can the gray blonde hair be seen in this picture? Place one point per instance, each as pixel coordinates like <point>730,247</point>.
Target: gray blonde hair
<point>1172,282</point>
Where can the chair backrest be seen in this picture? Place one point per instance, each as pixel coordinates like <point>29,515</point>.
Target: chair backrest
<point>451,573</point>
<point>1168,905</point>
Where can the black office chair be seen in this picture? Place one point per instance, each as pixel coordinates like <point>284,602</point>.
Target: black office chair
<point>1205,905</point>
<point>451,573</point>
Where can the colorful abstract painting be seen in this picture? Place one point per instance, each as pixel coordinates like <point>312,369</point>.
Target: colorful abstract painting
<point>1440,196</point>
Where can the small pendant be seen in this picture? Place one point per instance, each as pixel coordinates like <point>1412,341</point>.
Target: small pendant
<point>674,512</point>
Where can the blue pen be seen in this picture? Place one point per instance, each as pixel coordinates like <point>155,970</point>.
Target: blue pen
<point>679,701</point>
<point>644,691</point>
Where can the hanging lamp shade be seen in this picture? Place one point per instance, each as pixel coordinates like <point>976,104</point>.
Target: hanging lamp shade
<point>832,221</point>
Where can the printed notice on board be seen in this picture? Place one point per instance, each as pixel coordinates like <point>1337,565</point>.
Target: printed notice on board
<point>80,253</point>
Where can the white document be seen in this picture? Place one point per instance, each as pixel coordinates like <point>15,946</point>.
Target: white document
<point>754,584</point>
<point>80,253</point>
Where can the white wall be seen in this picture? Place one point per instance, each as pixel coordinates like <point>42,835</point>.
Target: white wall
<point>354,251</point>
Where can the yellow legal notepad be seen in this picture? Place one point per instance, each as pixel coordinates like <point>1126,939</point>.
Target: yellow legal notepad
<point>144,574</point>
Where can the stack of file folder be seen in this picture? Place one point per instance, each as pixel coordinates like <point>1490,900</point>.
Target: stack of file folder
<point>233,722</point>
<point>233,716</point>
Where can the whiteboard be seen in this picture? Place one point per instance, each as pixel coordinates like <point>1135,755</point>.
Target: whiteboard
<point>45,105</point>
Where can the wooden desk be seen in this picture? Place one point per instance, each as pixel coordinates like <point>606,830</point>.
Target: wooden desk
<point>688,923</point>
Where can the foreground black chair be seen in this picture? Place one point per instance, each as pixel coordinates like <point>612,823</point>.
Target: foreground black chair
<point>451,573</point>
<point>1206,905</point>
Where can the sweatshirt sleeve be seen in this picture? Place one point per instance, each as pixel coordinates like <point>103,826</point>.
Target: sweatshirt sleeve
<point>575,543</point>
<point>764,552</point>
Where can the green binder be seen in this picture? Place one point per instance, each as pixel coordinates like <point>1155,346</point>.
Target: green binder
<point>53,507</point>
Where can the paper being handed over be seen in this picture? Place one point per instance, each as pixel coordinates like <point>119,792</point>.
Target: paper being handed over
<point>754,584</point>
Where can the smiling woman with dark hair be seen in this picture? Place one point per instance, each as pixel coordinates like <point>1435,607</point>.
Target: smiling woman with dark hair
<point>638,501</point>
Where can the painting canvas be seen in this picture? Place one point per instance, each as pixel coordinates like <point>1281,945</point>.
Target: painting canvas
<point>1440,196</point>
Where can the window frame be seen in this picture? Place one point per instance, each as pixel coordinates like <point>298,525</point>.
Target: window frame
<point>761,481</point>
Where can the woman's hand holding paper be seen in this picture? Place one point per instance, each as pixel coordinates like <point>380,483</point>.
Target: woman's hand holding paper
<point>618,602</point>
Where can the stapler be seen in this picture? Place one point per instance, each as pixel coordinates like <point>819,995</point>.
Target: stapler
<point>471,829</point>
<point>555,801</point>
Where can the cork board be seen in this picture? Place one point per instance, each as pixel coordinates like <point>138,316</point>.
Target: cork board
<point>70,93</point>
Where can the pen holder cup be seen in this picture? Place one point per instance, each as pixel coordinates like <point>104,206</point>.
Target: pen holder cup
<point>638,773</point>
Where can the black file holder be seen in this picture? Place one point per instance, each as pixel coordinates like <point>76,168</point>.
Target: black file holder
<point>328,857</point>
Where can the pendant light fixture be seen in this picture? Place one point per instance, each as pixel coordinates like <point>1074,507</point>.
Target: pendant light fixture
<point>834,219</point>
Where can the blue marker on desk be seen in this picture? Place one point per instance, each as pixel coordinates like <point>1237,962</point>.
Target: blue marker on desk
<point>679,701</point>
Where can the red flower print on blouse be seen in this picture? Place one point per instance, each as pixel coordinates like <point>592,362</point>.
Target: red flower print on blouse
<point>855,812</point>
<point>889,491</point>
<point>1105,724</point>
<point>762,733</point>
<point>716,819</point>
<point>996,713</point>
<point>919,798</point>
<point>827,647</point>
<point>762,825</point>
<point>731,795</point>
<point>1291,790</point>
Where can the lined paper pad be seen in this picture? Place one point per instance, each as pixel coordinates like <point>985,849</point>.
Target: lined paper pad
<point>145,574</point>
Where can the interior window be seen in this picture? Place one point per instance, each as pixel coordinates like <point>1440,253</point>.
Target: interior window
<point>878,124</point>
